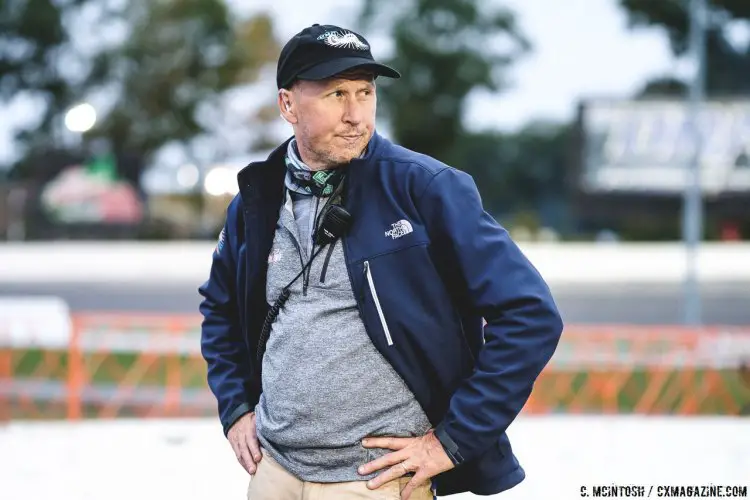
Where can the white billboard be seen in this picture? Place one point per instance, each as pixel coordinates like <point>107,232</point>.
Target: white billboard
<point>647,146</point>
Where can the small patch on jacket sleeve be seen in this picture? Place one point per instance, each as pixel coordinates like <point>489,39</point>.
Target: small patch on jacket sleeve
<point>220,242</point>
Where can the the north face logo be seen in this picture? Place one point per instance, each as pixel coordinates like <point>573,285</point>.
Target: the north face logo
<point>399,229</point>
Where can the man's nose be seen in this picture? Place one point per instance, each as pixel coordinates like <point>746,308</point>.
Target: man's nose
<point>354,112</point>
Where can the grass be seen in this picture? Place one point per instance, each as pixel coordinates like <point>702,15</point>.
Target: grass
<point>112,368</point>
<point>696,391</point>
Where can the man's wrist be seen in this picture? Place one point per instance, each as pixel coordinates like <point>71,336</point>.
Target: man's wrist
<point>450,446</point>
<point>238,412</point>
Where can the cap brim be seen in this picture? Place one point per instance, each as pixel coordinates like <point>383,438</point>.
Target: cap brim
<point>333,68</point>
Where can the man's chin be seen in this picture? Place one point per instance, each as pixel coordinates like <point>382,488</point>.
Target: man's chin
<point>347,156</point>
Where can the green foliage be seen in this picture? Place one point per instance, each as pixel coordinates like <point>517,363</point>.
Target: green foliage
<point>179,54</point>
<point>32,37</point>
<point>727,65</point>
<point>444,49</point>
<point>673,16</point>
<point>518,172</point>
<point>174,57</point>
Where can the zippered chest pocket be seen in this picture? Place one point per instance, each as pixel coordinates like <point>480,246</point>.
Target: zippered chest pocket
<point>376,300</point>
<point>409,312</point>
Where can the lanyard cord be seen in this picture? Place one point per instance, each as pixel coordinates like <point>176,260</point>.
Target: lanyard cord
<point>312,248</point>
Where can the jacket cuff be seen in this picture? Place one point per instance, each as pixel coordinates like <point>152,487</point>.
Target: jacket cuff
<point>450,446</point>
<point>234,416</point>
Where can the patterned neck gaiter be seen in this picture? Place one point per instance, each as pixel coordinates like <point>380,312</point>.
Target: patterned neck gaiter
<point>320,183</point>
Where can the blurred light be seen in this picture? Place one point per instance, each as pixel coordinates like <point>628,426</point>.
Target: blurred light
<point>187,176</point>
<point>737,33</point>
<point>220,181</point>
<point>547,235</point>
<point>80,118</point>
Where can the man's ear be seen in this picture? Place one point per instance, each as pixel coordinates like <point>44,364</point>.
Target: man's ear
<point>286,108</point>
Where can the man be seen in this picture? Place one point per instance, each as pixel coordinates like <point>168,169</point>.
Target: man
<point>353,361</point>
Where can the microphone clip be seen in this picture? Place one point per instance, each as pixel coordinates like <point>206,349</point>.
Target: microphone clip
<point>335,223</point>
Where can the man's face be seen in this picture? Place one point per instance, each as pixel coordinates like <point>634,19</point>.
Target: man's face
<point>333,119</point>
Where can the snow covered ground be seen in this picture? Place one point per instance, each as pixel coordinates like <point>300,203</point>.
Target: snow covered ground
<point>190,460</point>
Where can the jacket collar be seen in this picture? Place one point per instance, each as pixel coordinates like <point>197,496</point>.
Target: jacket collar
<point>247,175</point>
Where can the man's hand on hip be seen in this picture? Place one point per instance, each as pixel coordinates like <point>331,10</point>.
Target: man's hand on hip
<point>244,440</point>
<point>424,456</point>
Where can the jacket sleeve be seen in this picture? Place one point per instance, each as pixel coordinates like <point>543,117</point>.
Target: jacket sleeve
<point>523,326</point>
<point>222,343</point>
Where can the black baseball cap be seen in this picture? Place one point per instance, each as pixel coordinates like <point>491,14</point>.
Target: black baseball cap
<point>322,51</point>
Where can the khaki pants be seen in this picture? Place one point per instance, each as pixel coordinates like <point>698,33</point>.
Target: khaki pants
<point>273,482</point>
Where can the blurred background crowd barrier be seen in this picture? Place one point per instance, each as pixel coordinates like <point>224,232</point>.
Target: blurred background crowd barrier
<point>126,365</point>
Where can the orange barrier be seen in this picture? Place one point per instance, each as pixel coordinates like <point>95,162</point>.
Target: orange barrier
<point>647,370</point>
<point>150,365</point>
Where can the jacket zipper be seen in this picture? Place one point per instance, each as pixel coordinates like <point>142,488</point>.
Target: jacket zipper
<point>374,292</point>
<point>344,247</point>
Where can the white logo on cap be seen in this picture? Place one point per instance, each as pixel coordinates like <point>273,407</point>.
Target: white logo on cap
<point>343,40</point>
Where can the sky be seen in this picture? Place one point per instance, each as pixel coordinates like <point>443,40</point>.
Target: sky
<point>581,48</point>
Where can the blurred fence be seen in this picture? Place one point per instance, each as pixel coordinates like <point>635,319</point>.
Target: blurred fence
<point>123,365</point>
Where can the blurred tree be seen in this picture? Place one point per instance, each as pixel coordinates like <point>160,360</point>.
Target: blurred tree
<point>33,38</point>
<point>728,62</point>
<point>520,172</point>
<point>170,59</point>
<point>179,55</point>
<point>445,49</point>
